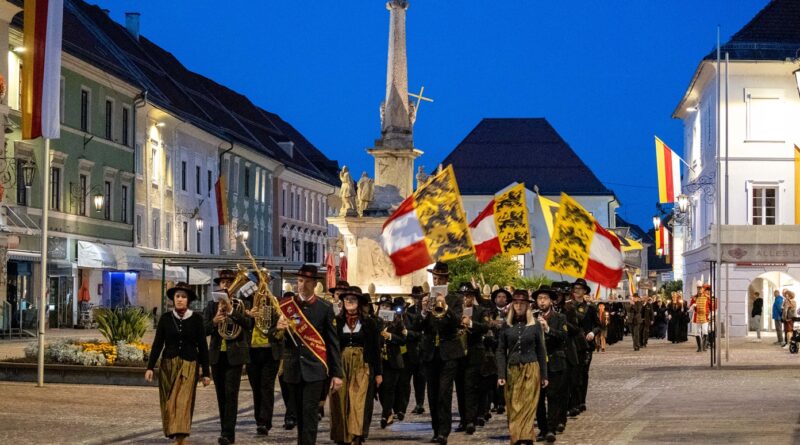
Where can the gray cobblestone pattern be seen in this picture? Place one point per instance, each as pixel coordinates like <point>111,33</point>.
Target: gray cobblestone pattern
<point>663,394</point>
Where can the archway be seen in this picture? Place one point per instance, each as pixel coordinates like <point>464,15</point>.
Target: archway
<point>765,285</point>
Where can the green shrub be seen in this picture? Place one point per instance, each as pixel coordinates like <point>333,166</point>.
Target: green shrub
<point>127,324</point>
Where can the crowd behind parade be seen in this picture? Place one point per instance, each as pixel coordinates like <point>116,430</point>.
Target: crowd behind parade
<point>522,354</point>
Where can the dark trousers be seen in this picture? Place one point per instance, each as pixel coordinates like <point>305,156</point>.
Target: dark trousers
<point>227,379</point>
<point>471,393</point>
<point>636,332</point>
<point>461,400</point>
<point>403,394</point>
<point>486,392</point>
<point>585,375</point>
<point>261,372</point>
<point>552,403</point>
<point>306,406</point>
<point>388,389</point>
<point>288,401</point>
<point>577,383</point>
<point>644,333</point>
<point>440,376</point>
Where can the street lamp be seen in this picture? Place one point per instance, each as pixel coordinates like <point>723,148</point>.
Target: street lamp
<point>199,224</point>
<point>28,172</point>
<point>99,201</point>
<point>660,251</point>
<point>683,203</point>
<point>245,234</point>
<point>657,222</point>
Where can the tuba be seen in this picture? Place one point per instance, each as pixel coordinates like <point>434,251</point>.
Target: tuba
<point>229,329</point>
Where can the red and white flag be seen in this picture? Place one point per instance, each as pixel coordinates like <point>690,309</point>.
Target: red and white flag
<point>428,226</point>
<point>41,69</point>
<point>502,227</point>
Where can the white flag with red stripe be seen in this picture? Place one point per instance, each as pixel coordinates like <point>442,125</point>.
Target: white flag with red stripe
<point>580,247</point>
<point>41,69</point>
<point>502,227</point>
<point>428,226</point>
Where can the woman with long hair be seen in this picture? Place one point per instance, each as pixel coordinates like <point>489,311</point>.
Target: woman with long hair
<point>180,342</point>
<point>789,312</point>
<point>522,367</point>
<point>351,407</point>
<point>603,319</point>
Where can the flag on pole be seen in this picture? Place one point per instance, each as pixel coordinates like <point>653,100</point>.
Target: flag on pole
<point>581,248</point>
<point>631,287</point>
<point>221,195</point>
<point>330,272</point>
<point>41,69</point>
<point>502,227</point>
<point>796,184</point>
<point>669,173</point>
<point>428,226</point>
<point>549,211</point>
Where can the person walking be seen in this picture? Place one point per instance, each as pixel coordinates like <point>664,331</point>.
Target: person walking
<point>350,407</point>
<point>755,314</point>
<point>777,316</point>
<point>522,367</point>
<point>393,339</point>
<point>180,343</point>
<point>635,320</point>
<point>553,400</point>
<point>789,312</point>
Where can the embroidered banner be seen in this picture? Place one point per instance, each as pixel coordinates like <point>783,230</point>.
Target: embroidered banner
<point>305,330</point>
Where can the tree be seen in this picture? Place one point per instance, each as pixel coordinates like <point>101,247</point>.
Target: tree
<point>501,270</point>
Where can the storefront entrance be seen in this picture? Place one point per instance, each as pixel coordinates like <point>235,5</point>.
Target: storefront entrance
<point>766,284</point>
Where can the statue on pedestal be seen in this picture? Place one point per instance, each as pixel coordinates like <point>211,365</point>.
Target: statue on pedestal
<point>348,193</point>
<point>422,177</point>
<point>366,193</point>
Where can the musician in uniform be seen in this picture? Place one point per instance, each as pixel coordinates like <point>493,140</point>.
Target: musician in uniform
<point>311,351</point>
<point>500,304</point>
<point>576,356</point>
<point>647,321</point>
<point>289,417</point>
<point>553,401</point>
<point>392,339</point>
<point>473,327</point>
<point>227,324</point>
<point>441,350</point>
<point>411,364</point>
<point>587,317</point>
<point>635,320</point>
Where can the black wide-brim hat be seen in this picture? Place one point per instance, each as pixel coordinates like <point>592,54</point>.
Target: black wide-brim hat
<point>399,302</point>
<point>546,290</point>
<point>418,292</point>
<point>308,271</point>
<point>225,274</point>
<point>501,291</point>
<point>182,287</point>
<point>521,294</point>
<point>384,299</point>
<point>580,282</point>
<point>363,299</point>
<point>440,269</point>
<point>468,289</point>
<point>340,285</point>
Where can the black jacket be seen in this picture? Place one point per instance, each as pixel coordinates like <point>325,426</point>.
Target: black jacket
<point>556,342</point>
<point>369,340</point>
<point>237,349</point>
<point>299,363</point>
<point>390,349</point>
<point>758,307</point>
<point>634,313</point>
<point>413,325</point>
<point>520,344</point>
<point>476,350</point>
<point>587,318</point>
<point>180,338</point>
<point>446,328</point>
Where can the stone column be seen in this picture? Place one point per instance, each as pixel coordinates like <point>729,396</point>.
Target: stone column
<point>396,128</point>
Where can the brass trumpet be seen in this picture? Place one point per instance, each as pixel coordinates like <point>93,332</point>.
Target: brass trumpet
<point>229,329</point>
<point>439,308</point>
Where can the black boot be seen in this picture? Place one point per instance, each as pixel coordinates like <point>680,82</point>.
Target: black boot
<point>705,342</point>
<point>699,346</point>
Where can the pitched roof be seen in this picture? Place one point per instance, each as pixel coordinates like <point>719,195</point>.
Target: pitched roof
<point>92,36</point>
<point>636,231</point>
<point>499,151</point>
<point>773,34</point>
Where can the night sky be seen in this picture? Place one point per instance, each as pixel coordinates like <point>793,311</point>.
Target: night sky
<point>607,75</point>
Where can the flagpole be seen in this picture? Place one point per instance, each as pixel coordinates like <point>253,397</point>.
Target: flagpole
<point>43,278</point>
<point>718,219</point>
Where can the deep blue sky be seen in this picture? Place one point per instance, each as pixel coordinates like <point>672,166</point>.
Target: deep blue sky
<point>606,74</point>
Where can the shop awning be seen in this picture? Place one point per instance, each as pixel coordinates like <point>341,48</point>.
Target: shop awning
<point>199,276</point>
<point>129,258</point>
<point>96,256</point>
<point>173,273</point>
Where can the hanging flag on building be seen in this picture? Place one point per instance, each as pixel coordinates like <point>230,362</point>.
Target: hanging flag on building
<point>428,226</point>
<point>669,173</point>
<point>221,195</point>
<point>631,286</point>
<point>581,248</point>
<point>41,69</point>
<point>502,227</point>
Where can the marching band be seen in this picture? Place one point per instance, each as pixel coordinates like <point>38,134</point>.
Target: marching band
<point>519,353</point>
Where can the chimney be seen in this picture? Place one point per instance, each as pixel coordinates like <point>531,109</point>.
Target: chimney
<point>132,23</point>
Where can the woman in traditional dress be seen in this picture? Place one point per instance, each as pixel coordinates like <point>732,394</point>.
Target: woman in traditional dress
<point>181,343</point>
<point>603,319</point>
<point>351,407</point>
<point>789,312</point>
<point>521,367</point>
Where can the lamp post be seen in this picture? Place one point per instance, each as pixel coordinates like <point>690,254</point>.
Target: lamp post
<point>657,222</point>
<point>99,201</point>
<point>199,223</point>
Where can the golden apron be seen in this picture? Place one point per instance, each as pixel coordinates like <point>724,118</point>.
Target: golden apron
<point>177,382</point>
<point>522,396</point>
<point>347,404</point>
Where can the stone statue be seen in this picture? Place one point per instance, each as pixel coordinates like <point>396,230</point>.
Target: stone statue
<point>366,192</point>
<point>348,193</point>
<point>422,177</point>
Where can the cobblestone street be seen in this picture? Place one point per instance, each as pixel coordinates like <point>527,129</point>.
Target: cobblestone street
<point>662,394</point>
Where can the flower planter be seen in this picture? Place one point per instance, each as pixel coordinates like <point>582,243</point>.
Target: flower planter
<point>75,374</point>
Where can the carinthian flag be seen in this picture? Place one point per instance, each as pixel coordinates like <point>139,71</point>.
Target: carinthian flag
<point>581,248</point>
<point>502,227</point>
<point>669,173</point>
<point>221,195</point>
<point>631,286</point>
<point>428,226</point>
<point>549,211</point>
<point>41,69</point>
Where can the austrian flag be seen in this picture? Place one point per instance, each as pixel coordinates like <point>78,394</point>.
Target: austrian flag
<point>428,226</point>
<point>502,227</point>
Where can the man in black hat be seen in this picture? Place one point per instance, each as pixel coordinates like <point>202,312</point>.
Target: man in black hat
<point>587,318</point>
<point>228,354</point>
<point>393,338</point>
<point>647,321</point>
<point>553,401</point>
<point>289,416</point>
<point>491,394</point>
<point>414,370</point>
<point>311,352</point>
<point>473,327</point>
<point>635,320</point>
<point>441,351</point>
<point>410,352</point>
